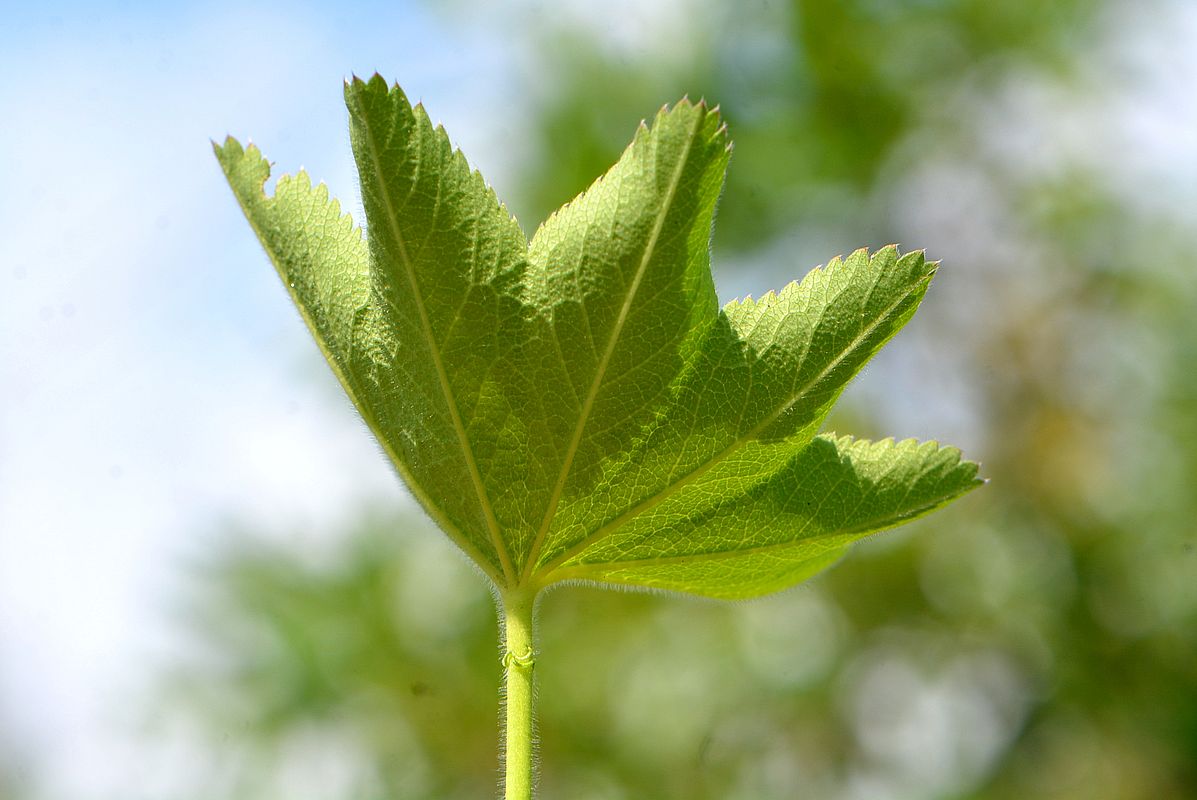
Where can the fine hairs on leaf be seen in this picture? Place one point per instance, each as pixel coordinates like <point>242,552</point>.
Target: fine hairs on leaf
<point>579,407</point>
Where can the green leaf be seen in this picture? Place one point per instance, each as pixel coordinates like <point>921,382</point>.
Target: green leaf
<point>578,407</point>
<point>447,264</point>
<point>316,249</point>
<point>781,529</point>
<point>755,390</point>
<point>621,281</point>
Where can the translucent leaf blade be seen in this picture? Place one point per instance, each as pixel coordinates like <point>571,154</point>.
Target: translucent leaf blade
<point>786,528</point>
<point>323,261</point>
<point>317,250</point>
<point>446,262</point>
<point>621,282</point>
<point>756,388</point>
<point>579,408</point>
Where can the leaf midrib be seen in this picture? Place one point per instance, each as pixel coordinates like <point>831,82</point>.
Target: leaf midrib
<point>645,505</point>
<point>588,404</point>
<point>840,538</point>
<point>434,350</point>
<point>334,362</point>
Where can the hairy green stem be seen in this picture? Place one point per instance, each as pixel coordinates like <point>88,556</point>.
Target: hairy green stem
<point>518,663</point>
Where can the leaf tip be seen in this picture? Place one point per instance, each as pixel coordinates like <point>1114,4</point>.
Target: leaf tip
<point>231,146</point>
<point>354,84</point>
<point>375,83</point>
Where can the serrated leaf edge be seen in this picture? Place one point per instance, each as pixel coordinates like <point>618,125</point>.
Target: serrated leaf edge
<point>869,527</point>
<point>493,529</point>
<point>647,504</point>
<point>423,498</point>
<point>600,373</point>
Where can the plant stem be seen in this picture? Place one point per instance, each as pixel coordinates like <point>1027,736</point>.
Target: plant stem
<point>519,662</point>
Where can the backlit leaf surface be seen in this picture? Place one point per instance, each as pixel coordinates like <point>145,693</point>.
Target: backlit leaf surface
<point>578,407</point>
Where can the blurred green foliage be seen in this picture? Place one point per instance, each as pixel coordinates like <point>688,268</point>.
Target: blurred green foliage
<point>819,96</point>
<point>14,770</point>
<point>1037,640</point>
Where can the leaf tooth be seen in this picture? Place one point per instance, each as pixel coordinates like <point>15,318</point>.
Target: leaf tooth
<point>643,130</point>
<point>230,143</point>
<point>825,271</point>
<point>421,119</point>
<point>459,158</point>
<point>301,179</point>
<point>374,81</point>
<point>233,148</point>
<point>849,442</point>
<point>322,193</point>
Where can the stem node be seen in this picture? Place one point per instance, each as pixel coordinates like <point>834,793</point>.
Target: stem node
<point>519,662</point>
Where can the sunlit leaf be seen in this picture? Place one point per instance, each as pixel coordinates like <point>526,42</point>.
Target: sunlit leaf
<point>578,407</point>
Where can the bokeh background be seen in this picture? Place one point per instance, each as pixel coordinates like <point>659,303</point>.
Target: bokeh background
<point>213,586</point>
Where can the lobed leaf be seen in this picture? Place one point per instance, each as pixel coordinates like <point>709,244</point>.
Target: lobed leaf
<point>318,251</point>
<point>446,262</point>
<point>578,408</point>
<point>732,540</point>
<point>756,389</point>
<point>621,280</point>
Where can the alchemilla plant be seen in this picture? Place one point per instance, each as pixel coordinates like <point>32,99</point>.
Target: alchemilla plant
<point>578,407</point>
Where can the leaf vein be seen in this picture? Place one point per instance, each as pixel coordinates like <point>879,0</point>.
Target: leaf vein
<point>625,309</point>
<point>696,473</point>
<point>434,350</point>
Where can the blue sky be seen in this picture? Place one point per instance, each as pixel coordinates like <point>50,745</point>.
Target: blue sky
<point>156,380</point>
